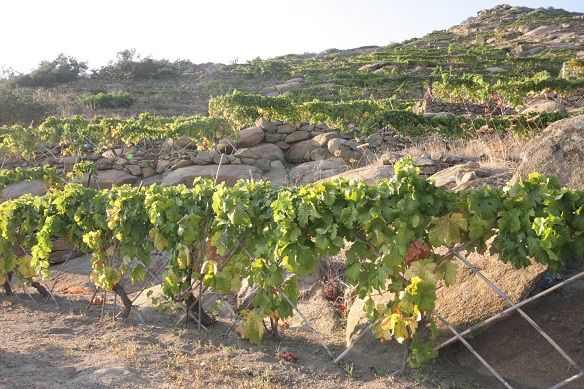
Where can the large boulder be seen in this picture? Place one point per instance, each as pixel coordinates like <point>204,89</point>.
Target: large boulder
<point>290,84</point>
<point>315,170</point>
<point>368,174</point>
<point>346,149</point>
<point>14,191</point>
<point>229,174</point>
<point>544,106</point>
<point>300,152</point>
<point>250,136</point>
<point>62,251</point>
<point>107,179</point>
<point>558,151</point>
<point>278,175</point>
<point>269,151</point>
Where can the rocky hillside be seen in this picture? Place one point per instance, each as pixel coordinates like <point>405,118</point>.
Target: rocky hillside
<point>504,42</point>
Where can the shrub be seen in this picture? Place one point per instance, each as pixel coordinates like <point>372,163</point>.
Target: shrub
<point>128,68</point>
<point>24,106</point>
<point>62,70</point>
<point>108,100</point>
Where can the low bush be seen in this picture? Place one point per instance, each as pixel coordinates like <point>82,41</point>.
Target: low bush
<point>24,106</point>
<point>108,100</point>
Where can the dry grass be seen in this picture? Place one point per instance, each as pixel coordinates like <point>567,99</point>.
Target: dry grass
<point>494,151</point>
<point>488,148</point>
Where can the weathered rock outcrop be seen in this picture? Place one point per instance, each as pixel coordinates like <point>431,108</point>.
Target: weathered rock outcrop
<point>558,151</point>
<point>229,174</point>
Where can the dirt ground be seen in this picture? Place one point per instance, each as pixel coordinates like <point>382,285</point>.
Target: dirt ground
<point>73,346</point>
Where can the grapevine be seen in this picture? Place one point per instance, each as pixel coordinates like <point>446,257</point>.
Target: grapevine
<point>267,237</point>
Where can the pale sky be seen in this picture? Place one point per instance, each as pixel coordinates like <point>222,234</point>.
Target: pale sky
<point>221,31</point>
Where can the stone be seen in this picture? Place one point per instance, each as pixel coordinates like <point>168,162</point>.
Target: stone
<point>319,154</point>
<point>110,178</point>
<point>62,251</point>
<point>14,191</point>
<point>70,160</point>
<point>314,171</point>
<point>463,178</point>
<point>151,180</point>
<point>283,145</point>
<point>265,125</point>
<point>114,153</point>
<point>166,146</point>
<point>290,84</point>
<point>323,139</point>
<point>162,165</point>
<point>368,174</point>
<point>181,163</point>
<point>148,171</point>
<point>247,153</point>
<point>374,140</point>
<point>544,106</point>
<point>300,152</point>
<point>469,290</point>
<point>345,149</point>
<point>203,157</point>
<point>225,146</point>
<point>134,170</point>
<point>263,164</point>
<point>221,159</point>
<point>269,151</point>
<point>184,142</point>
<point>557,151</point>
<point>297,136</point>
<point>495,69</point>
<point>269,91</point>
<point>229,174</point>
<point>278,175</point>
<point>272,138</point>
<point>250,136</point>
<point>104,164</point>
<point>286,129</point>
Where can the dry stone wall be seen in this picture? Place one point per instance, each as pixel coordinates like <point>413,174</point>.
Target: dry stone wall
<point>259,150</point>
<point>438,106</point>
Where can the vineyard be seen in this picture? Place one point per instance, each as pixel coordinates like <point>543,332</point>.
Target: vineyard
<point>397,237</point>
<point>219,237</point>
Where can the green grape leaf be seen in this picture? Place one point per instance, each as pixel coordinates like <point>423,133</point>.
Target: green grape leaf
<point>423,269</point>
<point>137,274</point>
<point>422,293</point>
<point>353,273</point>
<point>448,272</point>
<point>252,326</point>
<point>448,229</point>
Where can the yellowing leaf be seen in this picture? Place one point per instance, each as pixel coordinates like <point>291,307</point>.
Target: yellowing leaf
<point>400,327</point>
<point>184,257</point>
<point>252,326</point>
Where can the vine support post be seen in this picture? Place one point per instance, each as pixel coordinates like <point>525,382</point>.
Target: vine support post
<point>354,342</point>
<point>472,350</point>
